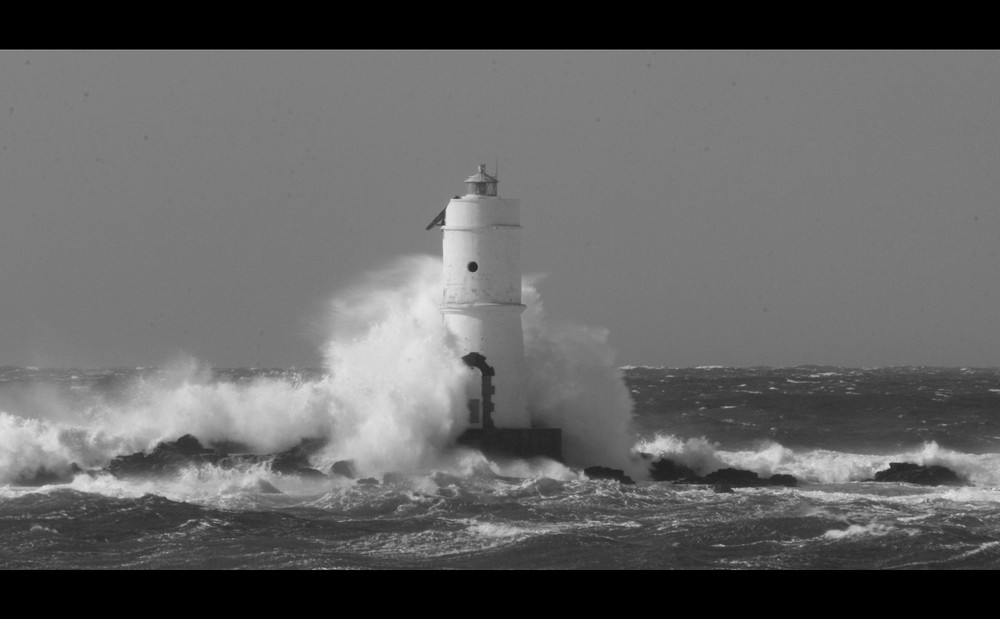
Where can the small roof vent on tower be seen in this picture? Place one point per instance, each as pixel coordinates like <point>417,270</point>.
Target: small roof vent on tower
<point>481,183</point>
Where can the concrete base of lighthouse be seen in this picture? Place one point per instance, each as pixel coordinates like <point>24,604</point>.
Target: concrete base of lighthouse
<point>515,442</point>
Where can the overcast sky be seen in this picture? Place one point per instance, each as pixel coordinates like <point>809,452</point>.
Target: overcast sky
<point>729,208</point>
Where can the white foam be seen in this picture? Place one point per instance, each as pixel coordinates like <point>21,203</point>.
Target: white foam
<point>855,530</point>
<point>39,529</point>
<point>495,530</point>
<point>574,383</point>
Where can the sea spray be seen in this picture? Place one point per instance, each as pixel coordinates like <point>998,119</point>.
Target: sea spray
<point>393,397</point>
<point>390,347</point>
<point>263,415</point>
<point>574,383</point>
<point>978,469</point>
<point>29,447</point>
<point>698,454</point>
<point>390,401</point>
<point>396,381</point>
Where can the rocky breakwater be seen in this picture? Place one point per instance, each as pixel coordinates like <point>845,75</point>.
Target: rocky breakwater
<point>722,480</point>
<point>170,457</point>
<point>924,475</point>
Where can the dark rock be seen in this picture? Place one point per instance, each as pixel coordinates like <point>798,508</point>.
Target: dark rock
<point>166,457</point>
<point>45,476</point>
<point>343,468</point>
<point>295,461</point>
<point>668,470</point>
<point>603,472</point>
<point>908,472</point>
<point>231,461</point>
<point>722,487</point>
<point>284,465</point>
<point>229,447</point>
<point>367,481</point>
<point>782,480</point>
<point>738,478</point>
<point>187,445</point>
<point>170,457</point>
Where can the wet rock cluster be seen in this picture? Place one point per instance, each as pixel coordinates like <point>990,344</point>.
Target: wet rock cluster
<point>910,473</point>
<point>724,480</point>
<point>44,476</point>
<point>169,457</point>
<point>603,472</point>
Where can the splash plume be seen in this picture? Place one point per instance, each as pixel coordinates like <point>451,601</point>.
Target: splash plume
<point>393,397</point>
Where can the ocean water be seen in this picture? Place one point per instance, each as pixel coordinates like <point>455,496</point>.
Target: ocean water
<point>832,428</point>
<point>390,397</point>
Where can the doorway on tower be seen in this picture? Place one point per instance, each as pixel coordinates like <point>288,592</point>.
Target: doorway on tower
<point>481,409</point>
<point>502,442</point>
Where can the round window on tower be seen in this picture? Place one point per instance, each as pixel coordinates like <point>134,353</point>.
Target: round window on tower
<point>473,267</point>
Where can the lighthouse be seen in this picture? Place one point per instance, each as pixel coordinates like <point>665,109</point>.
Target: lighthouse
<point>481,307</point>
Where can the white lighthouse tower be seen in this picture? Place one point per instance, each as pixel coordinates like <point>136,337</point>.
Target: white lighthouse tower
<point>482,299</point>
<point>482,307</point>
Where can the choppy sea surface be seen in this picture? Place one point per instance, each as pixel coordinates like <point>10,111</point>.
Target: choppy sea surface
<point>832,428</point>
